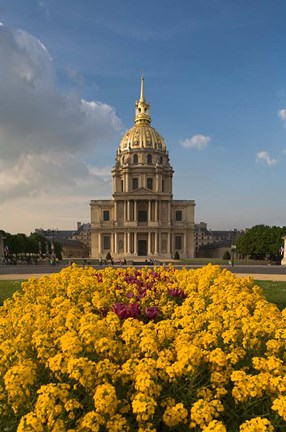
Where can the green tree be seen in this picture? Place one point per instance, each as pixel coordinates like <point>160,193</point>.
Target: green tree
<point>260,242</point>
<point>226,256</point>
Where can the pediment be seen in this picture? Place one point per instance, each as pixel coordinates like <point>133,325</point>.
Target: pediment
<point>142,191</point>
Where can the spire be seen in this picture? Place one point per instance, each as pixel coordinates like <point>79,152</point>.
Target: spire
<point>142,96</point>
<point>142,114</point>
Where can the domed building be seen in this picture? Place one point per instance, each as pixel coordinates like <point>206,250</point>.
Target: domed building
<point>142,219</point>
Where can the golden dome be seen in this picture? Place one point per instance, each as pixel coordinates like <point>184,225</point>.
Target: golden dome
<point>142,135</point>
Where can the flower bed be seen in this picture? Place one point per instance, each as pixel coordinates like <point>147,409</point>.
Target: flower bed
<point>142,350</point>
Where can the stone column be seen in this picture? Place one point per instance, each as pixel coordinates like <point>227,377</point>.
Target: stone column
<point>156,243</point>
<point>169,211</point>
<point>135,244</point>
<point>111,244</point>
<point>99,244</point>
<point>149,244</point>
<point>283,262</point>
<point>124,211</point>
<point>115,211</point>
<point>149,210</point>
<point>185,243</point>
<point>169,243</point>
<point>128,243</point>
<point>135,211</point>
<point>128,211</point>
<point>156,210</point>
<point>115,243</point>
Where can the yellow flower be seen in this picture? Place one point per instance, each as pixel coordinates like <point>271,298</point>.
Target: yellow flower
<point>105,399</point>
<point>174,415</point>
<point>279,405</point>
<point>257,424</point>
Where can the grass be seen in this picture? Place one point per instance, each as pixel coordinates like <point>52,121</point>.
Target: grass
<point>274,291</point>
<point>7,288</point>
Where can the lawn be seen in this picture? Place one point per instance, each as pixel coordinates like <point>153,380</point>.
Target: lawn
<point>274,291</point>
<point>7,288</point>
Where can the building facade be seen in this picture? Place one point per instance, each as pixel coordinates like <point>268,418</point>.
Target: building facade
<point>82,234</point>
<point>142,219</point>
<point>213,243</point>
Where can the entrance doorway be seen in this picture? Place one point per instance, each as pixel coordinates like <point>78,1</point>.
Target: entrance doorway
<point>142,247</point>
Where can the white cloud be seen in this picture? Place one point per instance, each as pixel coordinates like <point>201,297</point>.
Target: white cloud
<point>265,157</point>
<point>282,114</point>
<point>46,136</point>
<point>198,142</point>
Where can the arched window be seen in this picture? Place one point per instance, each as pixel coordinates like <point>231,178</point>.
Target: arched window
<point>135,159</point>
<point>149,159</point>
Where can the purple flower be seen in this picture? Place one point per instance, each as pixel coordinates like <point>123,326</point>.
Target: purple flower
<point>151,312</point>
<point>177,292</point>
<point>134,310</point>
<point>121,310</point>
<point>124,311</point>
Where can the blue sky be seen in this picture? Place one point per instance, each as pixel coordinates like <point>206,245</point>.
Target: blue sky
<point>215,75</point>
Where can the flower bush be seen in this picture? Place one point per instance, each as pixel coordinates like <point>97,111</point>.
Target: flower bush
<point>142,350</point>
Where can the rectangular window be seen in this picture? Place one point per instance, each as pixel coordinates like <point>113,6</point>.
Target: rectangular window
<point>106,242</point>
<point>179,215</point>
<point>142,216</point>
<point>106,215</point>
<point>134,183</point>
<point>163,186</point>
<point>178,242</point>
<point>122,186</point>
<point>149,183</point>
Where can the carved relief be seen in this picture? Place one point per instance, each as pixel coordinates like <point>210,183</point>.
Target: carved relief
<point>120,211</point>
<point>148,137</point>
<point>164,243</point>
<point>120,243</point>
<point>164,211</point>
<point>136,138</point>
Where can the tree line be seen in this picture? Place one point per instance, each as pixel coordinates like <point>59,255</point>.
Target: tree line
<point>262,242</point>
<point>35,244</point>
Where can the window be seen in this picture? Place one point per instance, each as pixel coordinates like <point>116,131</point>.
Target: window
<point>142,216</point>
<point>149,183</point>
<point>106,242</point>
<point>135,159</point>
<point>178,242</point>
<point>161,160</point>
<point>149,159</point>
<point>163,186</point>
<point>135,183</point>
<point>121,185</point>
<point>106,215</point>
<point>179,215</point>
